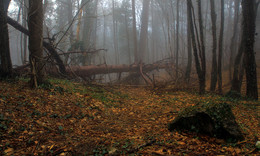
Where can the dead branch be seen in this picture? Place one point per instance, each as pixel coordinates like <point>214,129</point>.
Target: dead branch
<point>82,52</point>
<point>48,46</point>
<point>86,71</point>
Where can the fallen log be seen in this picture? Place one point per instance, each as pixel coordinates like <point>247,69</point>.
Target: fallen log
<point>47,45</point>
<point>82,52</point>
<point>85,71</point>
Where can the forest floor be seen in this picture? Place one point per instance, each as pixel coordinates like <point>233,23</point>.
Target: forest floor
<point>68,118</point>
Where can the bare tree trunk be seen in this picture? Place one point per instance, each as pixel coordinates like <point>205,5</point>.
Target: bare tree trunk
<point>238,66</point>
<point>202,78</point>
<point>234,39</point>
<point>79,21</point>
<point>235,85</point>
<point>6,64</point>
<point>115,34</point>
<point>35,26</point>
<point>70,18</point>
<point>214,47</point>
<point>177,40</point>
<point>134,33</point>
<point>79,25</point>
<point>249,14</point>
<point>24,38</point>
<point>189,50</point>
<point>144,31</point>
<point>220,48</point>
<point>128,39</point>
<point>154,52</point>
<point>198,60</point>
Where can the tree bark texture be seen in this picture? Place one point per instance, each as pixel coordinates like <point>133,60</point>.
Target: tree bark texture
<point>35,25</point>
<point>144,31</point>
<point>235,85</point>
<point>134,33</point>
<point>177,39</point>
<point>249,14</point>
<point>200,74</point>
<point>220,48</point>
<point>214,47</point>
<point>189,50</point>
<point>6,64</point>
<point>202,78</point>
<point>234,38</point>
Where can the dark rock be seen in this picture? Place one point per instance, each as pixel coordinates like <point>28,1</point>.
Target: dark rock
<point>213,119</point>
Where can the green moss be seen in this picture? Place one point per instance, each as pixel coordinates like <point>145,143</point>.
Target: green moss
<point>215,119</point>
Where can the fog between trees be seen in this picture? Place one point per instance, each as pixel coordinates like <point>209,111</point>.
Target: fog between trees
<point>114,33</point>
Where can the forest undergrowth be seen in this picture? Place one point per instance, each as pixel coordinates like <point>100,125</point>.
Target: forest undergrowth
<point>69,118</point>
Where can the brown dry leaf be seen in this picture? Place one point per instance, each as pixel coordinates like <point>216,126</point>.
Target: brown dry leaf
<point>131,113</point>
<point>181,143</point>
<point>237,150</point>
<point>230,149</point>
<point>159,152</point>
<point>9,151</point>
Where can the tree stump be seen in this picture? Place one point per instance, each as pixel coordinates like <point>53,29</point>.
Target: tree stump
<point>213,119</point>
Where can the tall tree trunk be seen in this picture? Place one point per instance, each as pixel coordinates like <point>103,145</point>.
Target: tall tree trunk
<point>35,25</point>
<point>127,38</point>
<point>6,64</point>
<point>70,19</point>
<point>220,48</point>
<point>79,25</point>
<point>235,85</point>
<point>234,40</point>
<point>249,14</point>
<point>25,37</point>
<point>189,50</point>
<point>89,31</point>
<point>214,47</point>
<point>198,60</point>
<point>153,22</point>
<point>202,78</point>
<point>134,33</point>
<point>115,34</point>
<point>144,31</point>
<point>177,39</point>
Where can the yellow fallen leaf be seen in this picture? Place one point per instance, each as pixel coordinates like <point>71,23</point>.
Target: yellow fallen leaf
<point>131,113</point>
<point>9,151</point>
<point>238,151</point>
<point>51,147</point>
<point>181,143</point>
<point>230,149</point>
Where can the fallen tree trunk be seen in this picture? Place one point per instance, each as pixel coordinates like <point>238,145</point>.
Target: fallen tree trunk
<point>82,52</point>
<point>85,71</point>
<point>47,45</point>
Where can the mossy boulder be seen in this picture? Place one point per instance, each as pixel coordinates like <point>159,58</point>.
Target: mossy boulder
<point>214,119</point>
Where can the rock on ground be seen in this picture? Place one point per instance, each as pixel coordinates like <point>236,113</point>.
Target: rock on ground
<point>213,119</point>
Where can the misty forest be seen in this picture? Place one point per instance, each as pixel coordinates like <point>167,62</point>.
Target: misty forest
<point>129,77</point>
